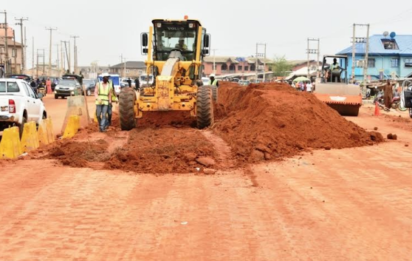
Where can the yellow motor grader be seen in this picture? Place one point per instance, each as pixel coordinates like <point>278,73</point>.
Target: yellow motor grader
<point>175,51</point>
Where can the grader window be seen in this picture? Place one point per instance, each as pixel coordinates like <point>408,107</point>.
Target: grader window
<point>169,37</point>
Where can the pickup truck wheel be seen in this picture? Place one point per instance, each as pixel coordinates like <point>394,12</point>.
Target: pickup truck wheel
<point>56,97</point>
<point>21,127</point>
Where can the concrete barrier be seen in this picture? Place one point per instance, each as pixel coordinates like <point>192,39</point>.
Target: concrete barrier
<point>10,146</point>
<point>72,127</point>
<point>30,138</point>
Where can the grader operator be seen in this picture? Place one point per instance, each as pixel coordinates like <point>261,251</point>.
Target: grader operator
<point>175,51</point>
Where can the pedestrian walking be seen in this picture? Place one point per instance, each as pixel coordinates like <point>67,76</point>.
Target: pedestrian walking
<point>110,107</point>
<point>137,84</point>
<point>49,86</point>
<point>213,80</point>
<point>2,72</point>
<point>103,95</point>
<point>388,95</point>
<point>129,81</point>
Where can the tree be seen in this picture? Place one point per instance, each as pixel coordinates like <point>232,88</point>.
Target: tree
<point>281,67</point>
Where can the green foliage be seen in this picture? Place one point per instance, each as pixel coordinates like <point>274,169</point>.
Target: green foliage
<point>281,67</point>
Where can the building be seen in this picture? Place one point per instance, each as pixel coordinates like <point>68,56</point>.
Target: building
<point>235,66</point>
<point>129,69</point>
<point>92,71</point>
<point>388,57</point>
<point>14,64</point>
<point>300,68</point>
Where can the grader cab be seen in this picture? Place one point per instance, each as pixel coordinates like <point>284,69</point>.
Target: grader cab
<point>175,51</point>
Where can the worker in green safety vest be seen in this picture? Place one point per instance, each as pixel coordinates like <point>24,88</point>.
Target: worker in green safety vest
<point>103,93</point>
<point>213,81</point>
<point>110,108</point>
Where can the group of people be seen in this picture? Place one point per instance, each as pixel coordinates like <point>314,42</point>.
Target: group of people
<point>39,84</point>
<point>303,86</point>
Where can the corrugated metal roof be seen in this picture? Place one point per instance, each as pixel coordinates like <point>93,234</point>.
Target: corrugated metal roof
<point>404,43</point>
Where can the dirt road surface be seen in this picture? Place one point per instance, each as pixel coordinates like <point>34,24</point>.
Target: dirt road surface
<point>343,204</point>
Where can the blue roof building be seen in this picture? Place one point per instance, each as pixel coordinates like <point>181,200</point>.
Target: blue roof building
<point>386,57</point>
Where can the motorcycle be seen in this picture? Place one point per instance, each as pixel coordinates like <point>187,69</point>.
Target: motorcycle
<point>396,100</point>
<point>407,96</point>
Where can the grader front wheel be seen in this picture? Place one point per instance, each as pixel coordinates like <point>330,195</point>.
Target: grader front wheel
<point>127,98</point>
<point>204,107</point>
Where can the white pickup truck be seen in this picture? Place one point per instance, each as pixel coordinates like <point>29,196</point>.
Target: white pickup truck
<point>19,104</point>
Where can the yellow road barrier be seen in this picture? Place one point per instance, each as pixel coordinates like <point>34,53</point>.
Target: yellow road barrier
<point>72,127</point>
<point>30,138</point>
<point>10,146</point>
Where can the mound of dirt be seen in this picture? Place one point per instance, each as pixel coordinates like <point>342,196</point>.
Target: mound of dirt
<point>78,154</point>
<point>162,150</point>
<point>272,121</point>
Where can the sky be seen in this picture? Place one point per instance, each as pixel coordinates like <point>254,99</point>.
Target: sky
<point>110,30</point>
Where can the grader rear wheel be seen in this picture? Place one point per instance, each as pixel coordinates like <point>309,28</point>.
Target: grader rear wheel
<point>204,106</point>
<point>127,98</point>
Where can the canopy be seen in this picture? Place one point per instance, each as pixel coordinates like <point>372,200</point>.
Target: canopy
<point>301,79</point>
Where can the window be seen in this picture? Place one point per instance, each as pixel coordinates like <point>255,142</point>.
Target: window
<point>232,67</point>
<point>2,86</point>
<point>395,62</point>
<point>390,44</point>
<point>408,62</point>
<point>253,67</point>
<point>246,68</point>
<point>224,67</point>
<point>240,67</point>
<point>12,87</point>
<point>371,63</point>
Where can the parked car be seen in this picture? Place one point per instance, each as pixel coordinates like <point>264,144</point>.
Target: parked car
<point>67,87</point>
<point>25,77</point>
<point>146,80</point>
<point>124,82</point>
<point>244,82</point>
<point>19,104</point>
<point>89,85</point>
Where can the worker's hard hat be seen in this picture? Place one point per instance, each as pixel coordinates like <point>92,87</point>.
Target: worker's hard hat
<point>212,75</point>
<point>105,75</point>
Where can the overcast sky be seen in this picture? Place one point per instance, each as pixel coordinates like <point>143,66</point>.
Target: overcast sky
<point>108,29</point>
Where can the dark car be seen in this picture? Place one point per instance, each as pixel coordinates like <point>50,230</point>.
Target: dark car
<point>67,87</point>
<point>89,85</point>
<point>25,77</point>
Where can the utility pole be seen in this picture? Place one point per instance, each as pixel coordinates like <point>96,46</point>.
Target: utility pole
<point>366,64</point>
<point>313,51</point>
<point>57,58</point>
<point>75,53</point>
<point>353,53</point>
<point>14,53</point>
<point>38,56</point>
<point>356,40</point>
<point>50,50</point>
<point>5,42</point>
<point>23,43</point>
<point>67,54</point>
<point>262,55</point>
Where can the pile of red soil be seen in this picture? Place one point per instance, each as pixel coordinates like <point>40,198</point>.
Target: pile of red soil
<point>78,154</point>
<point>272,121</point>
<point>162,150</point>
